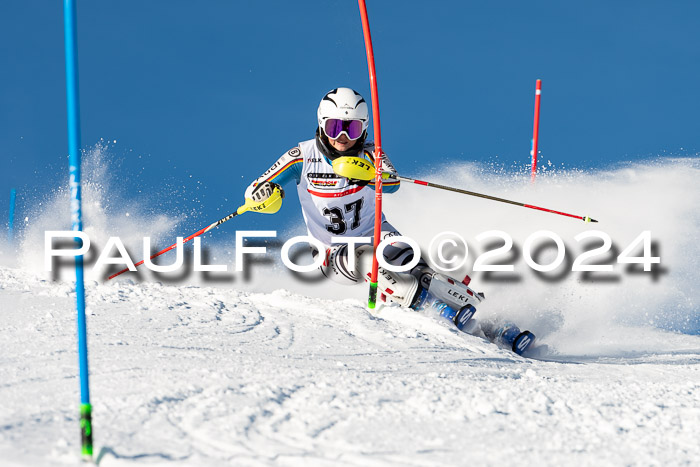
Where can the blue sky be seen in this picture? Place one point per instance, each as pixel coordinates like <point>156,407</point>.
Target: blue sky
<point>219,89</point>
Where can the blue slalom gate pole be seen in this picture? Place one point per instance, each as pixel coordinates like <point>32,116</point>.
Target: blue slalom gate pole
<point>11,223</point>
<point>73,106</point>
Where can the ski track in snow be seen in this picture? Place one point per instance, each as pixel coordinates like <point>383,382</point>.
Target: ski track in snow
<point>211,376</point>
<point>234,372</point>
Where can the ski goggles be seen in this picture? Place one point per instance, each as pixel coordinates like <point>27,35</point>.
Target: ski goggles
<point>334,127</point>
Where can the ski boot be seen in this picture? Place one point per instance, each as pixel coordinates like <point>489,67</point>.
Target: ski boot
<point>460,317</point>
<point>510,336</point>
<point>454,293</point>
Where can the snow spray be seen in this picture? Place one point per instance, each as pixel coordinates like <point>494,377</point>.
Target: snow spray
<point>576,313</point>
<point>11,221</point>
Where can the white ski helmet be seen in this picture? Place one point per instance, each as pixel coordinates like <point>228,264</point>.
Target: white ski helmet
<point>343,104</point>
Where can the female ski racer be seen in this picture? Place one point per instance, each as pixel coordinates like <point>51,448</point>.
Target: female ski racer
<point>334,205</point>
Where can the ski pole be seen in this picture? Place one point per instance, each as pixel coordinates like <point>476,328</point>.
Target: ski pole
<point>480,195</point>
<point>270,206</point>
<point>361,169</point>
<point>196,234</point>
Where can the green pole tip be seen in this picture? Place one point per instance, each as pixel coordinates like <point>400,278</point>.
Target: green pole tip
<point>372,302</point>
<point>87,453</point>
<point>86,430</point>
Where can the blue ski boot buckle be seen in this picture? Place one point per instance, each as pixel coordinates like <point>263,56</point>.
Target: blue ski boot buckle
<point>463,316</point>
<point>523,341</point>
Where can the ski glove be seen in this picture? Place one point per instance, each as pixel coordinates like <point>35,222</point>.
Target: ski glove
<point>262,191</point>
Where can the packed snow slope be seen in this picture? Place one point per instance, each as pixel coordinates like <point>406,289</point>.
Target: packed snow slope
<point>275,368</point>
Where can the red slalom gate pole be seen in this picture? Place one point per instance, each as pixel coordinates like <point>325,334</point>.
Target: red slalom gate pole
<point>371,303</point>
<point>536,129</point>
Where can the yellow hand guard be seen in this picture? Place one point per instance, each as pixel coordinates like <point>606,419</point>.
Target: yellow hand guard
<point>269,205</point>
<point>354,168</point>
